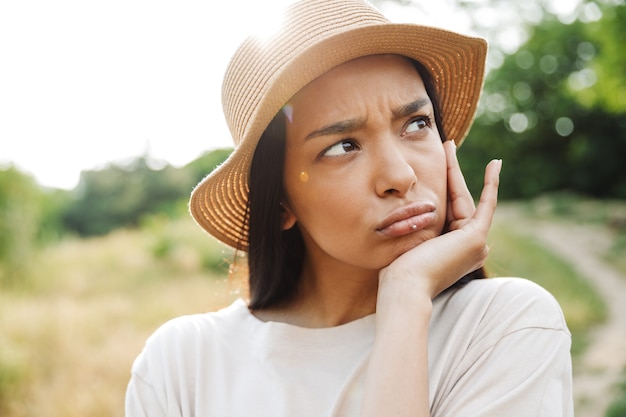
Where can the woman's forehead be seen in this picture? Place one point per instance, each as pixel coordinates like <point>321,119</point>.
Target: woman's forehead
<point>387,81</point>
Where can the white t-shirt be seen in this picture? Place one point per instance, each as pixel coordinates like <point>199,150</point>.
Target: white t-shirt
<point>497,347</point>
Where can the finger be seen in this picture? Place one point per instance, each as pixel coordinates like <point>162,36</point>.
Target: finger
<point>489,195</point>
<point>461,203</point>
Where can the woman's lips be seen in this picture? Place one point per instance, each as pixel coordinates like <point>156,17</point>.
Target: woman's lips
<point>407,219</point>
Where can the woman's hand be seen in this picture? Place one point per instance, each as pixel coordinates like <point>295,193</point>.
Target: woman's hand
<point>397,382</point>
<point>438,263</point>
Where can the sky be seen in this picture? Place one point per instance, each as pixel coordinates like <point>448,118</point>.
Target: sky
<point>84,83</point>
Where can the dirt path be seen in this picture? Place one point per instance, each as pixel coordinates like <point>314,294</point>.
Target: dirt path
<point>599,369</point>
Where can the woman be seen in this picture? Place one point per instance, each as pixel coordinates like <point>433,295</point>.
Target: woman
<point>363,241</point>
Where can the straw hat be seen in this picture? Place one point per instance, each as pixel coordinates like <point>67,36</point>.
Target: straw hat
<point>316,36</point>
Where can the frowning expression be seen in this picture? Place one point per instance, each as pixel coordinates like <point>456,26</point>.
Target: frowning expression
<point>365,170</point>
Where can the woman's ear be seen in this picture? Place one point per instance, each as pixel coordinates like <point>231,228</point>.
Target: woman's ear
<point>287,218</point>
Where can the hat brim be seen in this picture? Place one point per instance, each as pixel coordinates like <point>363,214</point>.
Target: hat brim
<point>456,62</point>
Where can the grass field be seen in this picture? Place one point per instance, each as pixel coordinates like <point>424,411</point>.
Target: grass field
<point>69,335</point>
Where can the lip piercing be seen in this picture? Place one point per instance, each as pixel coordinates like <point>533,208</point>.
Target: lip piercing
<point>413,226</point>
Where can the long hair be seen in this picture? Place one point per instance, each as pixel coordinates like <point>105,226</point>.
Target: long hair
<point>275,256</point>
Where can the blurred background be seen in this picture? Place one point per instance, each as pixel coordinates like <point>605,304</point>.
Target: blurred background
<point>110,114</point>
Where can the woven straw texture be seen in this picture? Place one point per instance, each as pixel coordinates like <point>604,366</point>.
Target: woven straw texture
<point>316,36</point>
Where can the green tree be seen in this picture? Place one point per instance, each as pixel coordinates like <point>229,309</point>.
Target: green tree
<point>534,115</point>
<point>608,68</point>
<point>120,195</point>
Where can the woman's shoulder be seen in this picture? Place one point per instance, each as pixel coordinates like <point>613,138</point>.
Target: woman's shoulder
<point>521,299</point>
<point>508,288</point>
<point>513,302</point>
<point>198,328</point>
<point>500,342</point>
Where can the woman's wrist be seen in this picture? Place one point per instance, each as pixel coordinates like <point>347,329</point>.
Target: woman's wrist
<point>402,298</point>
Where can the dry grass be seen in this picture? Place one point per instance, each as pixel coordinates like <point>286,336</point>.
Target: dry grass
<point>68,342</point>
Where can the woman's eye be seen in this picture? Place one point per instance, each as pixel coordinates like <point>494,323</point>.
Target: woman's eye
<point>341,148</point>
<point>418,124</point>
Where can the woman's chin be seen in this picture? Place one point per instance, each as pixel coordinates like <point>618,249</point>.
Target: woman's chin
<point>410,242</point>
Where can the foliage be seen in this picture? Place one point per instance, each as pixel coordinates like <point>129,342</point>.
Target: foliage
<point>119,195</point>
<point>538,115</point>
<point>618,406</point>
<point>609,65</point>
<point>180,240</point>
<point>20,214</point>
<point>52,207</point>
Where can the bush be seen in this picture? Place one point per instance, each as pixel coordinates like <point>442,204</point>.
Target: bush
<point>618,406</point>
<point>20,216</point>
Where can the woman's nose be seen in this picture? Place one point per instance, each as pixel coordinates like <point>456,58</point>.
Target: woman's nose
<point>393,173</point>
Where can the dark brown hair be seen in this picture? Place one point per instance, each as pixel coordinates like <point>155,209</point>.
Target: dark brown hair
<point>275,256</point>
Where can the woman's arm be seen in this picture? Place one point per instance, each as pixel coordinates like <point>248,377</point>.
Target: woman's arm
<point>397,379</point>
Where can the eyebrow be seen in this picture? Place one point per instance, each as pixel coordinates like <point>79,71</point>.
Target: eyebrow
<point>344,126</point>
<point>350,125</point>
<point>410,108</point>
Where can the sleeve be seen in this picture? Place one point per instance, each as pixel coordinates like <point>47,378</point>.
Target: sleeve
<point>527,373</point>
<point>520,367</point>
<point>158,374</point>
<point>141,399</point>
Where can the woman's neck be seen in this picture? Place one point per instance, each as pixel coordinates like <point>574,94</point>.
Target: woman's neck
<point>328,295</point>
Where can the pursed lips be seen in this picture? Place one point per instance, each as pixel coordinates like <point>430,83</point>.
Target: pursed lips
<point>407,219</point>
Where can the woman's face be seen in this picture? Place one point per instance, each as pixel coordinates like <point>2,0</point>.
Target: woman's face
<point>365,171</point>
